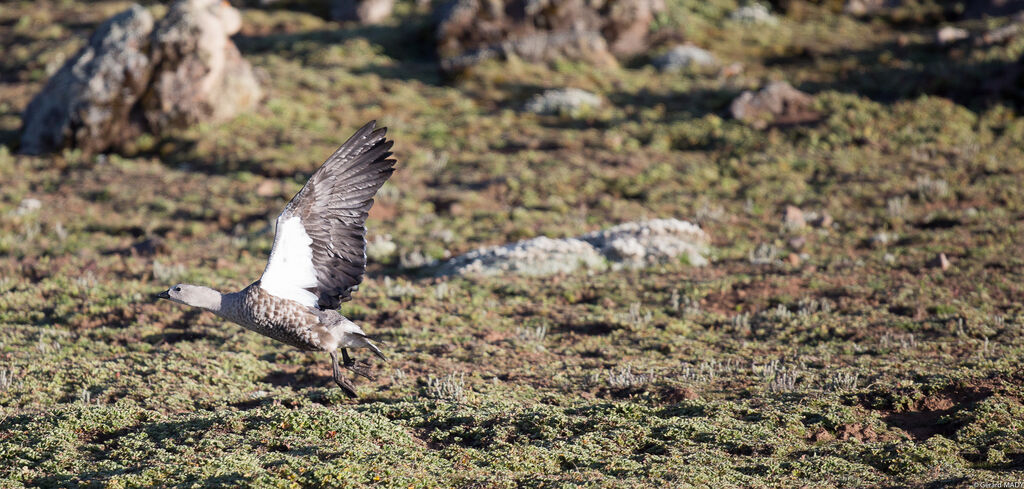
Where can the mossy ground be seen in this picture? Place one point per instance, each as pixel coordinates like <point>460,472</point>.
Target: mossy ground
<point>852,364</point>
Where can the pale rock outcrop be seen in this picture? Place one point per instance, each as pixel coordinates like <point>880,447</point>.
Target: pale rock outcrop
<point>642,243</point>
<point>630,245</point>
<point>535,257</point>
<point>362,11</point>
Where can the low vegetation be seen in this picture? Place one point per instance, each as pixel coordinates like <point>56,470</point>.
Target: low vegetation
<point>832,350</point>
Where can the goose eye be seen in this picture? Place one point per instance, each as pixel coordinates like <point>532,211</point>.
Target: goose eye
<point>177,289</point>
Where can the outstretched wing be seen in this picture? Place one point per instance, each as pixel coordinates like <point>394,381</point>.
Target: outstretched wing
<point>319,253</point>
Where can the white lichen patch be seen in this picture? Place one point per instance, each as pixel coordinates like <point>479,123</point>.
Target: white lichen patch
<point>629,245</point>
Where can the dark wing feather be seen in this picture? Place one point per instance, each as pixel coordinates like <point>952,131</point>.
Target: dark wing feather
<point>333,206</point>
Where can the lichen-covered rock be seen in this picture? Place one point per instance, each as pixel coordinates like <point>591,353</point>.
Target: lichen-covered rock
<point>535,257</point>
<point>362,11</point>
<point>629,245</point>
<point>642,243</point>
<point>88,103</point>
<point>754,14</point>
<point>950,34</point>
<point>682,57</point>
<point>563,101</point>
<point>862,8</point>
<point>137,75</point>
<point>777,103</point>
<point>595,31</point>
<point>199,73</point>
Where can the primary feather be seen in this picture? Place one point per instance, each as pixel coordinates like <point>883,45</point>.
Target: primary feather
<point>319,253</point>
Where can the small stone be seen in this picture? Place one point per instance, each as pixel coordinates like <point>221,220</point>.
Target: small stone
<point>754,14</point>
<point>793,259</point>
<point>381,249</point>
<point>940,262</point>
<point>683,57</point>
<point>797,243</point>
<point>861,8</point>
<point>563,101</point>
<point>777,102</point>
<point>794,218</point>
<point>883,239</point>
<point>27,206</point>
<point>950,34</point>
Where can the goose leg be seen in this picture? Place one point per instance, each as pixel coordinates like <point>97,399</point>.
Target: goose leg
<point>361,368</point>
<point>345,384</point>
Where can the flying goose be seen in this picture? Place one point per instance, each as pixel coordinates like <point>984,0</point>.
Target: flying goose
<point>317,261</point>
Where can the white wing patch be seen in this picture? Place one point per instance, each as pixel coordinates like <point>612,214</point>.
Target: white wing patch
<point>290,270</point>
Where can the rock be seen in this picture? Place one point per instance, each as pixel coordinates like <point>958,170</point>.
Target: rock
<point>794,218</point>
<point>627,23</point>
<point>137,75</point>
<point>88,103</point>
<point>381,249</point>
<point>534,257</point>
<point>199,73</point>
<point>629,245</point>
<point>569,101</point>
<point>683,57</point>
<point>950,34</point>
<point>777,103</point>
<point>862,8</point>
<point>940,262</point>
<point>754,14</point>
<point>470,31</point>
<point>27,206</point>
<point>883,239</point>
<point>651,242</point>
<point>362,11</point>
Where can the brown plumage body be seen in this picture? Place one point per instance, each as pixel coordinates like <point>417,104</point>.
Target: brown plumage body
<point>284,320</point>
